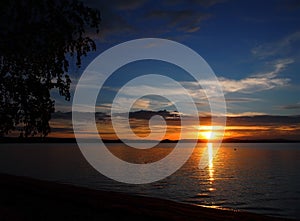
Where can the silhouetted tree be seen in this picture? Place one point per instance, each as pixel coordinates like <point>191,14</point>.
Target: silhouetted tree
<point>37,39</point>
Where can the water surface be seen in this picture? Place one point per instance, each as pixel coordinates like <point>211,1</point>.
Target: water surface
<point>261,178</point>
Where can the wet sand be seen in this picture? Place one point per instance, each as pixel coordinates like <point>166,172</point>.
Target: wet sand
<point>30,199</point>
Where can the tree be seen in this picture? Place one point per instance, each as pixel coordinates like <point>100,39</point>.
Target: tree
<point>37,40</point>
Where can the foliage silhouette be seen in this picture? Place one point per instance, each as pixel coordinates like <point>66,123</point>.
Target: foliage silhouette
<point>37,40</point>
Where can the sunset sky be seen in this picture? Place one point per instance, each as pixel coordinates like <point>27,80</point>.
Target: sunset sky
<point>252,46</point>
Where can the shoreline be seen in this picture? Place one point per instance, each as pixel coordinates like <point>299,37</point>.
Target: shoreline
<point>4,140</point>
<point>24,198</point>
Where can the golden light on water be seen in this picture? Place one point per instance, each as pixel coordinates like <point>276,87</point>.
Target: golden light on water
<point>210,161</point>
<point>210,155</point>
<point>208,135</point>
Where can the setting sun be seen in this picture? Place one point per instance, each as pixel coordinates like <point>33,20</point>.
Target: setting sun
<point>205,132</point>
<point>207,135</point>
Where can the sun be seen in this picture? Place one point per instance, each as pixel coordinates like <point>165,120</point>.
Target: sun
<point>207,135</point>
<point>210,133</point>
<point>205,132</point>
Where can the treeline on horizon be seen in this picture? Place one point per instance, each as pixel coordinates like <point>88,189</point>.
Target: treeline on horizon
<point>73,140</point>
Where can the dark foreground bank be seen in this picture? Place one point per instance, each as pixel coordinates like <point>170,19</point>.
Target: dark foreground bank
<point>29,199</point>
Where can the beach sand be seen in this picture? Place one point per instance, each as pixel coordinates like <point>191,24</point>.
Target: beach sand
<point>30,199</point>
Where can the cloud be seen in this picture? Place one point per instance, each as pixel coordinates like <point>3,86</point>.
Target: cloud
<point>187,20</point>
<point>125,101</point>
<point>162,96</point>
<point>104,107</point>
<point>166,89</point>
<point>203,3</point>
<point>143,104</point>
<point>232,88</point>
<point>112,23</point>
<point>246,114</point>
<point>291,106</point>
<point>128,4</point>
<point>115,4</point>
<point>255,83</point>
<point>122,17</point>
<point>283,47</point>
<point>208,3</point>
<point>241,99</point>
<point>250,125</point>
<point>258,82</point>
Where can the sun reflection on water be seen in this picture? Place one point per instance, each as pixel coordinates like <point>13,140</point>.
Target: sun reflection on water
<point>210,162</point>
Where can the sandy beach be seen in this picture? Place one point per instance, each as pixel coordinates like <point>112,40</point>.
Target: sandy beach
<point>30,199</point>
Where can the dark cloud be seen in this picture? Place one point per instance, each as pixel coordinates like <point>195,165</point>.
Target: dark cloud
<point>263,120</point>
<point>282,47</point>
<point>128,4</point>
<point>291,106</point>
<point>68,115</point>
<point>148,114</point>
<point>237,120</point>
<point>112,23</point>
<point>239,100</point>
<point>65,130</point>
<point>203,3</point>
<point>248,127</point>
<point>62,115</point>
<point>115,4</point>
<point>184,20</point>
<point>208,3</point>
<point>120,18</point>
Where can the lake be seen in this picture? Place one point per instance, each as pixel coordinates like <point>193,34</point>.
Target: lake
<point>261,178</point>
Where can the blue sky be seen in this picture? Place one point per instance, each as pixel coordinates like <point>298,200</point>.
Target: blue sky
<point>252,46</point>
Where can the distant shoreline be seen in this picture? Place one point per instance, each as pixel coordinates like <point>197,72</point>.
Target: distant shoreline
<point>73,140</point>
